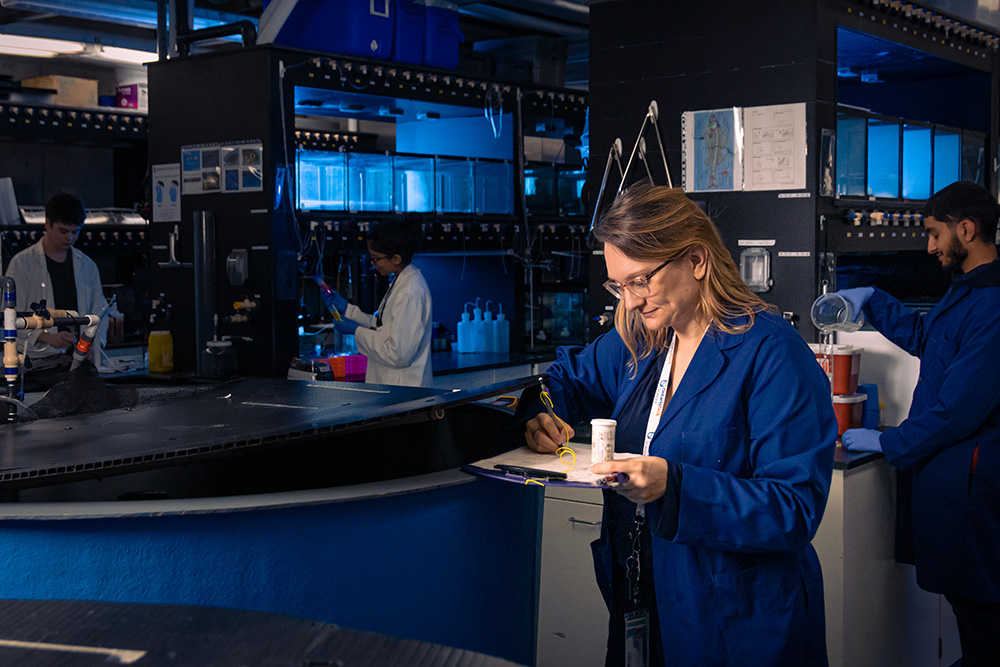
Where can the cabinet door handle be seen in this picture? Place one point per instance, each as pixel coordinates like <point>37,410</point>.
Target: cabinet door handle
<point>573,519</point>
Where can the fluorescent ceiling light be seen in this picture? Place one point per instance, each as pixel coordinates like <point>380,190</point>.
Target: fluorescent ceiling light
<point>120,55</point>
<point>32,53</point>
<point>38,44</point>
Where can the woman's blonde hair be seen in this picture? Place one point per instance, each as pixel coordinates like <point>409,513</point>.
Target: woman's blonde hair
<point>655,224</point>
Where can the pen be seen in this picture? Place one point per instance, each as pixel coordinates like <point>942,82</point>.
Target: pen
<point>529,472</point>
<point>547,402</point>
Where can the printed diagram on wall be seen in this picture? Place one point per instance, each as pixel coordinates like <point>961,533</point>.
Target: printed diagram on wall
<point>713,147</point>
<point>745,148</point>
<point>775,147</point>
<point>230,167</point>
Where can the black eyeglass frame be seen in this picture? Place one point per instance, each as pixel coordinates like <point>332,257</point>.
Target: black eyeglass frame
<point>615,288</point>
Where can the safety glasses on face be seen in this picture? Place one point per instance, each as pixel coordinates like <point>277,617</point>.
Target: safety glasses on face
<point>638,286</point>
<point>376,259</point>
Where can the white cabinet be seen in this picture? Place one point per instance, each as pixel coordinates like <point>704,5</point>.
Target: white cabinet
<point>572,616</point>
<point>875,612</point>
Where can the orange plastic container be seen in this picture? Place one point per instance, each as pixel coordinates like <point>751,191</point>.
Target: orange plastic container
<point>348,367</point>
<point>842,364</point>
<point>850,411</point>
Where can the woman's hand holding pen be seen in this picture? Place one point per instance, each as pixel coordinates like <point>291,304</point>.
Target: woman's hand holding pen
<point>545,436</point>
<point>646,477</point>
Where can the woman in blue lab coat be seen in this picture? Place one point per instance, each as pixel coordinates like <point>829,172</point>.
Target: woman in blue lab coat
<point>705,548</point>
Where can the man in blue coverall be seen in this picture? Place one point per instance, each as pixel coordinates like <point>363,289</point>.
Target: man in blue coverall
<point>948,447</point>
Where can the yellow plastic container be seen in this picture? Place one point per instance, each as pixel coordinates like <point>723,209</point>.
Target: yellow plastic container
<point>161,352</point>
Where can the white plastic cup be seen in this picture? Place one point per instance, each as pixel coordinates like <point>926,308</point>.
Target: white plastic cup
<point>832,312</point>
<point>602,440</point>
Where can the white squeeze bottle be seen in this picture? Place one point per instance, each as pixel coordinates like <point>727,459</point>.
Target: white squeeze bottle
<point>464,339</point>
<point>501,332</point>
<point>489,329</point>
<point>477,328</point>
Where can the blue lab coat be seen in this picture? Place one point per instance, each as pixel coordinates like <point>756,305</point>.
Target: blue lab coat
<point>753,426</point>
<point>956,408</point>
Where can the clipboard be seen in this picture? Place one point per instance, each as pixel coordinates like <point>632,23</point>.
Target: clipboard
<point>578,475</point>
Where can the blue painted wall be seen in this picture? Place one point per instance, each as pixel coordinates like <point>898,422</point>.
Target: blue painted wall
<point>456,566</point>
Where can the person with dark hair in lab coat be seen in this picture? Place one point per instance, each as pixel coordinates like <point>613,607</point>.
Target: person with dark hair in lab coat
<point>704,556</point>
<point>397,338</point>
<point>55,272</point>
<point>948,448</point>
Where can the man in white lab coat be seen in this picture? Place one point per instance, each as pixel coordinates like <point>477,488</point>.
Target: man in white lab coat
<point>53,270</point>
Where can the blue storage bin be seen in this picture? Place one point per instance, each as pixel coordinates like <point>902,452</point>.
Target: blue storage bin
<point>350,27</point>
<point>441,34</point>
<point>408,42</point>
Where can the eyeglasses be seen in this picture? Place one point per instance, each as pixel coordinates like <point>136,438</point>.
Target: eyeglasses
<point>376,260</point>
<point>638,286</point>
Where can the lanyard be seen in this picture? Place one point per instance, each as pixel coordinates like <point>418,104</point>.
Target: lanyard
<point>385,299</point>
<point>659,398</point>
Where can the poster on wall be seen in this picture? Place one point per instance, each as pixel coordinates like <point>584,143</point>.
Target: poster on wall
<point>200,169</point>
<point>774,147</point>
<point>231,167</point>
<point>713,150</point>
<point>167,192</point>
<point>242,164</point>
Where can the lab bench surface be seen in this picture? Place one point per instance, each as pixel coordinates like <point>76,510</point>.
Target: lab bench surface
<point>79,633</point>
<point>446,363</point>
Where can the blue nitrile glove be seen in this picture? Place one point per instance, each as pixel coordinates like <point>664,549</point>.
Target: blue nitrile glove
<point>862,440</point>
<point>339,302</point>
<point>347,327</point>
<point>857,297</point>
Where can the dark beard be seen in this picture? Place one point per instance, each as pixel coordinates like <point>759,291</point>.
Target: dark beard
<point>957,254</point>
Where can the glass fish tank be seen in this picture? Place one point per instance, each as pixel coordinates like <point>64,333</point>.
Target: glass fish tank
<point>455,181</point>
<point>321,180</point>
<point>540,189</point>
<point>369,182</point>
<point>570,190</point>
<point>973,158</point>
<point>494,187</point>
<point>947,157</point>
<point>413,183</point>
<point>851,138</point>
<point>883,158</point>
<point>916,161</point>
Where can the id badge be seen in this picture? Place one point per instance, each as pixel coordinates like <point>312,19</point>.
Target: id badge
<point>637,638</point>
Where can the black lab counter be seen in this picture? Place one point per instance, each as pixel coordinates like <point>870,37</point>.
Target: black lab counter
<point>336,502</point>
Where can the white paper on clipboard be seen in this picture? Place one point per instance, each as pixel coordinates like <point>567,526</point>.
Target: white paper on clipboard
<point>579,473</point>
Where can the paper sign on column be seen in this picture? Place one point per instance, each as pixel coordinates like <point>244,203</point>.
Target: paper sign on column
<point>774,147</point>
<point>166,192</point>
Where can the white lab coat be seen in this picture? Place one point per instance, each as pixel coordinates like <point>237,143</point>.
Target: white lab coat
<point>31,275</point>
<point>399,351</point>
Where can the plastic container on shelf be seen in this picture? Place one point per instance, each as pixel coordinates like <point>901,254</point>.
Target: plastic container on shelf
<point>454,185</point>
<point>161,352</point>
<point>442,34</point>
<point>354,27</point>
<point>369,182</point>
<point>408,40</point>
<point>494,187</point>
<point>413,183</point>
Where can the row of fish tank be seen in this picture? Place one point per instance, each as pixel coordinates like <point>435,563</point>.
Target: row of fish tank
<point>354,181</point>
<point>894,158</point>
<point>341,180</point>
